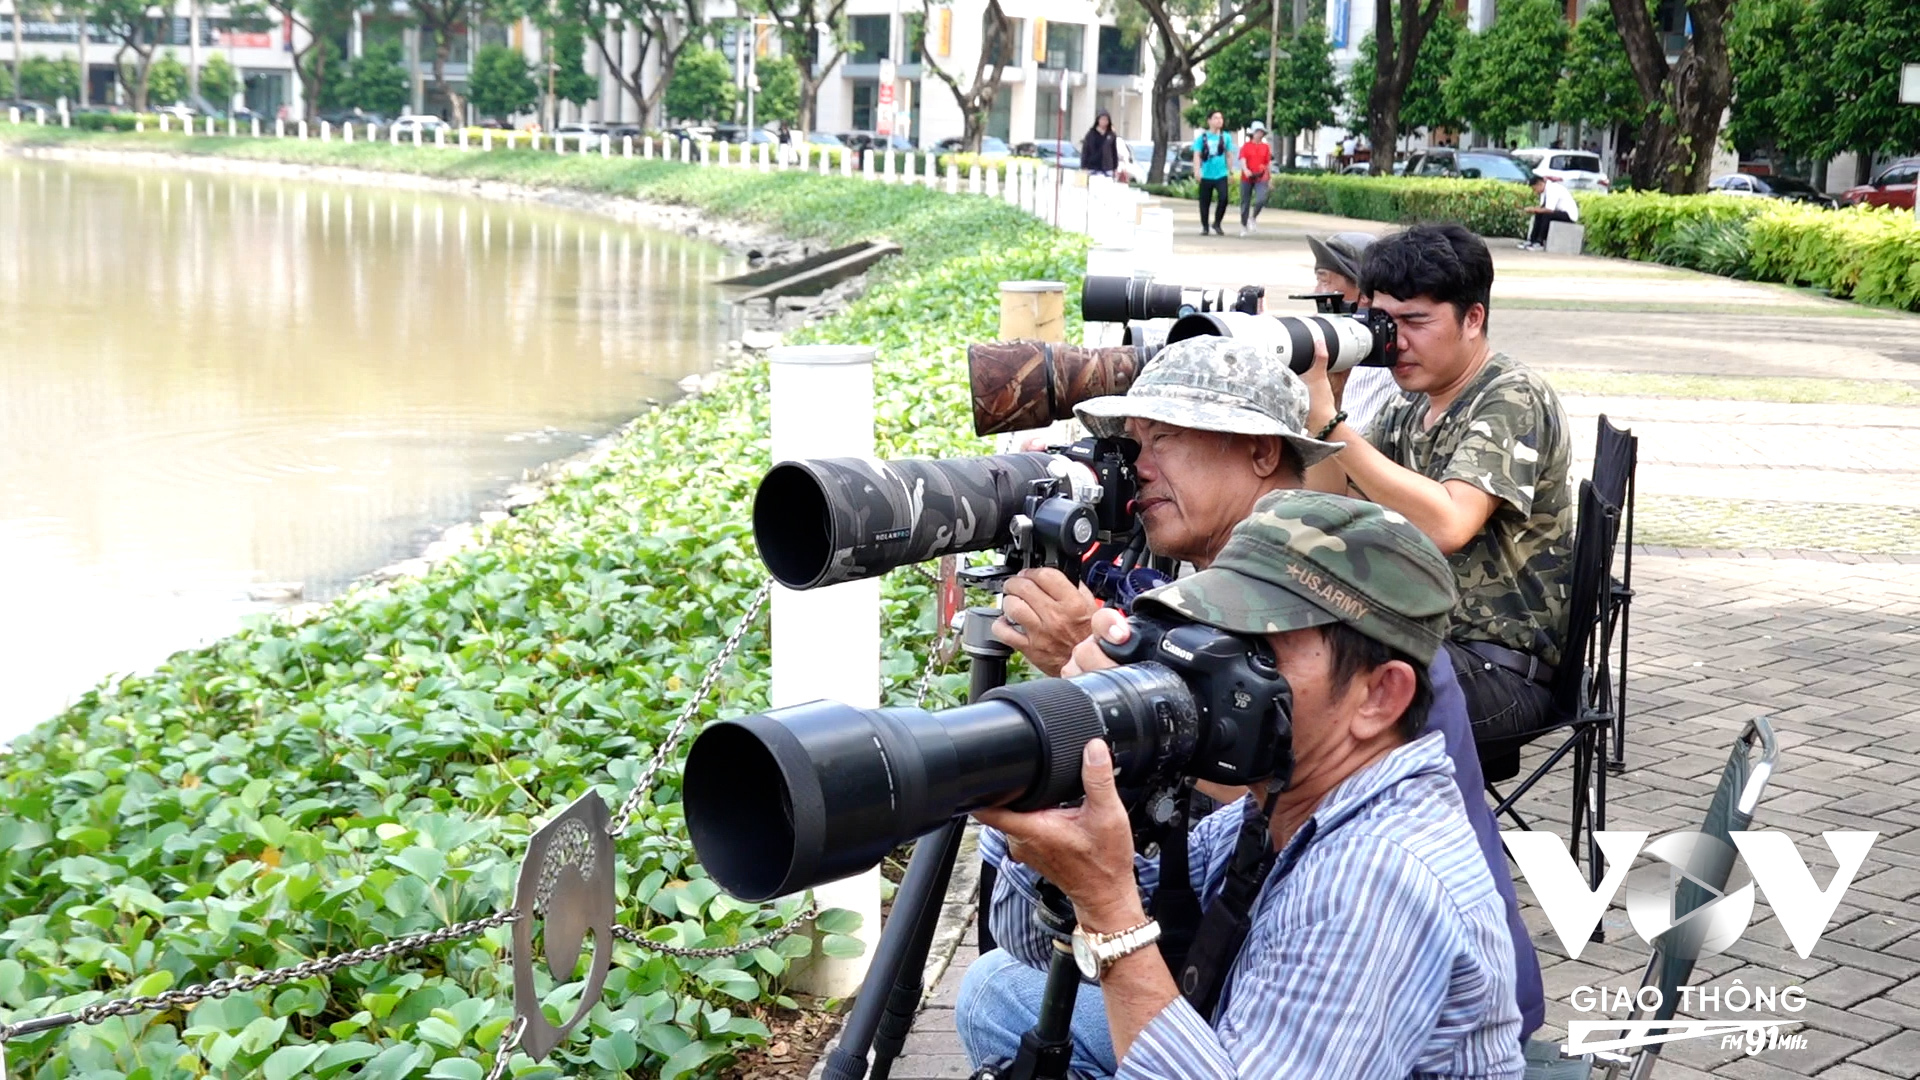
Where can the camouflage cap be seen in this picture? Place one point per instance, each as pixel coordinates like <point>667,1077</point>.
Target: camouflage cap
<point>1308,559</point>
<point>1213,384</point>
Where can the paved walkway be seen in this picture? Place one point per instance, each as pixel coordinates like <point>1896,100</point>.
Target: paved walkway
<point>1781,580</point>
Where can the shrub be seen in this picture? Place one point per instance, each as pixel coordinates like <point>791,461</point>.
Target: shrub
<point>1488,207</point>
<point>1637,224</point>
<point>1870,254</point>
<point>1711,244</point>
<point>91,121</point>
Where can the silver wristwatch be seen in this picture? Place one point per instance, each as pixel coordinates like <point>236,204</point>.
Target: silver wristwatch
<point>1094,953</point>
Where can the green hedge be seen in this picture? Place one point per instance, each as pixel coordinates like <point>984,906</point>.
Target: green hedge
<point>293,791</point>
<point>1488,207</point>
<point>1637,224</point>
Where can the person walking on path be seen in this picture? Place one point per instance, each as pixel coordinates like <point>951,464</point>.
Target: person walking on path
<point>1100,150</point>
<point>1213,164</point>
<point>1256,161</point>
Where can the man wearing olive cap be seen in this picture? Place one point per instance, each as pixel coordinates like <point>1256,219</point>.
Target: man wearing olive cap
<point>1376,943</point>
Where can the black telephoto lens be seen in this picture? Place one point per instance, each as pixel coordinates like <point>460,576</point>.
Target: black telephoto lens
<point>792,798</point>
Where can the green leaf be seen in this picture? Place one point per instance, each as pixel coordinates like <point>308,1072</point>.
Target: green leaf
<point>841,947</point>
<point>438,1032</point>
<point>291,1061</point>
<point>341,1056</point>
<point>456,1069</point>
<point>838,921</point>
<point>690,1057</point>
<point>615,1051</point>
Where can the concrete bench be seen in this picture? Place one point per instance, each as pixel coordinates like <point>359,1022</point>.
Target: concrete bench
<point>1566,238</point>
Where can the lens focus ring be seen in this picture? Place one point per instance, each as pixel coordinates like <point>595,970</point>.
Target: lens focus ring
<point>1068,720</point>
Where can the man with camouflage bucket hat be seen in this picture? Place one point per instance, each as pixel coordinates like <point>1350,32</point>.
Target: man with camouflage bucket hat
<point>1371,940</point>
<point>1219,425</point>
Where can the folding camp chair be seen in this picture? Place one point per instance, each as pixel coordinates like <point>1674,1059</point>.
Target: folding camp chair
<point>1615,459</point>
<point>1752,763</point>
<point>1586,695</point>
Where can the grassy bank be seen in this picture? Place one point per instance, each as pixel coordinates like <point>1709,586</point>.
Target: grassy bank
<point>292,791</point>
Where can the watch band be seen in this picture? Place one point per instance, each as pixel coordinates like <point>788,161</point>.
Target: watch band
<point>1110,948</point>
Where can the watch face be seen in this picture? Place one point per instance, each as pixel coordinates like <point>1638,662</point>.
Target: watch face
<point>1088,963</point>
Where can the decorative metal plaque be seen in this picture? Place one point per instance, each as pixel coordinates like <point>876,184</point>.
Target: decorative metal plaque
<point>566,881</point>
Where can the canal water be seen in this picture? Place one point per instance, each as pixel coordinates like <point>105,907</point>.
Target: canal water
<point>209,385</point>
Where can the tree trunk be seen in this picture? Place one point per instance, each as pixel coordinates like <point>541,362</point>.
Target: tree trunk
<point>18,51</point>
<point>1166,120</point>
<point>1686,100</point>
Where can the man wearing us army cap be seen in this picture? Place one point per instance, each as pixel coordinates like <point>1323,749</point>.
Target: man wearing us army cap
<point>1220,425</point>
<point>1375,941</point>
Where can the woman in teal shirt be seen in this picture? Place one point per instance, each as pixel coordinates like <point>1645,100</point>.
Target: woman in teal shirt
<point>1212,151</point>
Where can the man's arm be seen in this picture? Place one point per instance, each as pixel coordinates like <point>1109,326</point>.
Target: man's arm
<point>1347,978</point>
<point>1449,513</point>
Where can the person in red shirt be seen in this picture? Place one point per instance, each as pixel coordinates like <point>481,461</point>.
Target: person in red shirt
<point>1256,160</point>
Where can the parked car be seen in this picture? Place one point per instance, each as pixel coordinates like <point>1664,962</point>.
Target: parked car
<point>867,140</point>
<point>1579,170</point>
<point>1058,152</point>
<point>1771,187</point>
<point>587,137</point>
<point>408,123</point>
<point>822,138</point>
<point>27,106</point>
<point>178,112</point>
<point>1179,162</point>
<point>990,146</point>
<point>1893,187</point>
<point>1468,165</point>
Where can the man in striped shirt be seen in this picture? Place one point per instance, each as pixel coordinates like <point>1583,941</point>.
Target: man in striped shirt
<point>1377,944</point>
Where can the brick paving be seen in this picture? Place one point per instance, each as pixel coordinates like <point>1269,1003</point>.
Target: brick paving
<point>1765,609</point>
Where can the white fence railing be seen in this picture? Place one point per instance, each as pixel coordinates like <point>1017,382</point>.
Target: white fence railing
<point>1129,234</point>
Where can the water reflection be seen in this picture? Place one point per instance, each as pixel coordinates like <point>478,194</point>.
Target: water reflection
<point>207,384</point>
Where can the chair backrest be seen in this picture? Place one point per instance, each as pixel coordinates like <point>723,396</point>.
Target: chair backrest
<point>1616,454</point>
<point>1593,539</point>
<point>1749,766</point>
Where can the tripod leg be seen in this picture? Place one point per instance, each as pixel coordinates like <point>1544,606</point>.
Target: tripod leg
<point>903,1001</point>
<point>923,886</point>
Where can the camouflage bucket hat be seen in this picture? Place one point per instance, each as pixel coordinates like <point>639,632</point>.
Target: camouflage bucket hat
<point>1308,559</point>
<point>1213,384</point>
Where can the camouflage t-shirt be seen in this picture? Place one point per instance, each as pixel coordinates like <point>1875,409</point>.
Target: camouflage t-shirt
<point>1506,434</point>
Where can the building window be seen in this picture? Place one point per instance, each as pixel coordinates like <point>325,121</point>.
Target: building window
<point>1000,116</point>
<point>1063,45</point>
<point>1008,53</point>
<point>872,37</point>
<point>1116,56</point>
<point>1047,123</point>
<point>866,97</point>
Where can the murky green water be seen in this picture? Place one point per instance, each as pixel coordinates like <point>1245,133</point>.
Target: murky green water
<point>207,384</point>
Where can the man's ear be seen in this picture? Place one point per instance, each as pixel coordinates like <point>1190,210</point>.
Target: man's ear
<point>1390,690</point>
<point>1269,455</point>
<point>1474,323</point>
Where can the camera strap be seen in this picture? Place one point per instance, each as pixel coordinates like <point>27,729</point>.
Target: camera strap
<point>1176,906</point>
<point>1202,974</point>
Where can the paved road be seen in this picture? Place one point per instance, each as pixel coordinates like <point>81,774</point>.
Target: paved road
<point>1783,578</point>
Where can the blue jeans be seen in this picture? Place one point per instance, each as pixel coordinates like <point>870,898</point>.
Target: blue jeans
<point>999,1000</point>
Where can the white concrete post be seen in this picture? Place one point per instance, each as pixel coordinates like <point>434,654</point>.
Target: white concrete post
<point>209,125</point>
<point>163,122</point>
<point>486,140</point>
<point>866,164</point>
<point>512,138</point>
<point>626,146</point>
<point>559,143</point>
<point>233,128</point>
<point>440,136</point>
<point>706,152</point>
<point>139,122</point>
<point>13,115</point>
<point>1015,177</point>
<point>826,642</point>
<point>953,178</point>
<point>606,146</point>
<point>66,121</point>
<point>463,138</point>
<point>907,163</point>
<point>303,128</point>
<point>761,155</point>
<point>993,183</point>
<point>721,155</point>
<point>686,151</point>
<point>279,128</point>
<point>974,183</point>
<point>846,161</point>
<point>826,160</point>
<point>255,124</point>
<point>932,170</point>
<point>888,170</point>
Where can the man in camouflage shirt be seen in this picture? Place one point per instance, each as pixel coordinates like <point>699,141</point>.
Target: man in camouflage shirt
<point>1477,457</point>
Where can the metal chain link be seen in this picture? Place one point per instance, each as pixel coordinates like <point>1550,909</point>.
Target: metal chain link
<point>509,1042</point>
<point>643,787</point>
<point>632,937</point>
<point>306,969</point>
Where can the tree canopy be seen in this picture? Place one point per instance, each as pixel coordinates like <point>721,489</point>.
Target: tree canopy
<point>1305,93</point>
<point>702,87</point>
<point>779,95</point>
<point>1506,76</point>
<point>1425,103</point>
<point>218,81</point>
<point>1598,87</point>
<point>502,82</point>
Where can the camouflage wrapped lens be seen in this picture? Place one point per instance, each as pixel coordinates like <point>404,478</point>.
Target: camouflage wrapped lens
<point>829,520</point>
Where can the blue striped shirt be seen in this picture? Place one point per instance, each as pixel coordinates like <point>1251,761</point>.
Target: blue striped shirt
<point>1379,945</point>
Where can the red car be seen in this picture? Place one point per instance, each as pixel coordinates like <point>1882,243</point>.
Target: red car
<point>1893,187</point>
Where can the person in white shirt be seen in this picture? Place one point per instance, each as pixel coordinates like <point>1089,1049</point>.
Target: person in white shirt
<point>1556,204</point>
